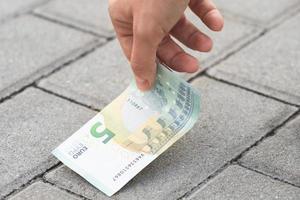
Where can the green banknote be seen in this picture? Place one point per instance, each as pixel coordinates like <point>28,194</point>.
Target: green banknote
<point>131,132</point>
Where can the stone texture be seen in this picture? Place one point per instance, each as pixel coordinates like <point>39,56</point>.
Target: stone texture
<point>66,178</point>
<point>32,124</point>
<point>13,7</point>
<point>278,156</point>
<point>89,15</point>
<point>239,183</point>
<point>40,190</point>
<point>262,12</point>
<point>269,65</point>
<point>94,80</point>
<point>220,135</point>
<point>30,47</point>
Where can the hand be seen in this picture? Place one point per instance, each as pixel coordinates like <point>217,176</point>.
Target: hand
<point>144,29</point>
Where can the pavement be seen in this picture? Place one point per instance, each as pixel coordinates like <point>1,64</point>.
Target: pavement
<point>60,64</point>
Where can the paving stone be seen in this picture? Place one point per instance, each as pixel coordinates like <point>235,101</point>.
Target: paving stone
<point>32,124</point>
<point>279,155</point>
<point>31,47</point>
<point>262,12</point>
<point>13,7</point>
<point>221,134</point>
<point>66,178</point>
<point>239,183</point>
<point>91,16</point>
<point>40,190</point>
<point>94,80</point>
<point>35,49</point>
<point>269,65</point>
<point>234,34</point>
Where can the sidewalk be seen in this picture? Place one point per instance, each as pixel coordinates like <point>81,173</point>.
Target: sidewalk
<point>60,64</point>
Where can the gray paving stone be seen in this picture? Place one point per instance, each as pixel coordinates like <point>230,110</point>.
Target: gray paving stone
<point>31,47</point>
<point>13,7</point>
<point>239,183</point>
<point>278,156</point>
<point>234,34</point>
<point>220,135</point>
<point>91,16</point>
<point>65,178</point>
<point>269,65</point>
<point>32,124</point>
<point>40,190</point>
<point>262,12</point>
<point>94,80</point>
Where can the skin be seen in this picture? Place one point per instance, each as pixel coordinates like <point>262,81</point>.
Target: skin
<point>144,29</point>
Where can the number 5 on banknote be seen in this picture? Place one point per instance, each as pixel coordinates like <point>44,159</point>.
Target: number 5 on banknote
<point>97,134</point>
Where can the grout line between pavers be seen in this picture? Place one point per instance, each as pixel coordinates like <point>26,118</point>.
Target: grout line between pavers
<point>66,98</point>
<point>62,23</point>
<point>74,59</point>
<point>36,178</point>
<point>264,31</point>
<point>65,190</point>
<point>280,17</point>
<point>229,54</point>
<point>69,60</point>
<point>292,11</point>
<point>220,60</point>
<point>268,175</point>
<point>250,90</point>
<point>234,160</point>
<point>13,94</point>
<point>25,10</point>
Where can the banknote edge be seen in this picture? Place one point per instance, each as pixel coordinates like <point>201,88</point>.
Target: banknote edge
<point>74,167</point>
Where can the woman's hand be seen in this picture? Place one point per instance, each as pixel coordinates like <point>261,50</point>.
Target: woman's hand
<point>144,28</point>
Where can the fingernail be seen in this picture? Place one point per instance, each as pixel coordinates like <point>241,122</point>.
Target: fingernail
<point>142,84</point>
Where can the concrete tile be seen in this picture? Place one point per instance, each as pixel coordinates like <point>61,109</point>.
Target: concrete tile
<point>279,155</point>
<point>239,183</point>
<point>40,190</point>
<point>10,8</point>
<point>32,124</point>
<point>220,135</point>
<point>269,65</point>
<point>31,47</point>
<point>66,178</point>
<point>261,12</point>
<point>89,15</point>
<point>94,80</point>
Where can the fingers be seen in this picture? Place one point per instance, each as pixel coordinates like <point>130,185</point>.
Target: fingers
<point>191,37</point>
<point>146,38</point>
<point>172,55</point>
<point>208,13</point>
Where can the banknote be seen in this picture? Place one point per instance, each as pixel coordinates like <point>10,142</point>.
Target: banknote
<point>130,132</point>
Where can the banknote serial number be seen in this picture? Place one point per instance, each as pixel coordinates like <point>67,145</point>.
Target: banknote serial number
<point>128,167</point>
<point>134,104</point>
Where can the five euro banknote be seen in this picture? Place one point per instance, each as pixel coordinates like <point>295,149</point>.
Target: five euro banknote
<point>130,132</point>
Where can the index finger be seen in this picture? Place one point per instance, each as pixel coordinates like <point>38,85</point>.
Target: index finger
<point>146,38</point>
<point>208,13</point>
